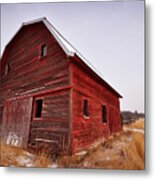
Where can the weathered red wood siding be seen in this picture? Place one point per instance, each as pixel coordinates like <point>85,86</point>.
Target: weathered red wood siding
<point>16,121</point>
<point>62,83</point>
<point>29,73</point>
<point>85,130</point>
<point>32,76</point>
<point>53,127</point>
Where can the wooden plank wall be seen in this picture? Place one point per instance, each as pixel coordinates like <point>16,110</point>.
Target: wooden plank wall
<point>28,73</point>
<point>53,127</point>
<point>85,130</point>
<point>16,122</point>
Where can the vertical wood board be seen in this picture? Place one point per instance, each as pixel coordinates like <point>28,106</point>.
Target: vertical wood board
<point>16,121</point>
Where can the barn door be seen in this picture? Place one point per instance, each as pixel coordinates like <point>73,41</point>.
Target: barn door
<point>16,121</point>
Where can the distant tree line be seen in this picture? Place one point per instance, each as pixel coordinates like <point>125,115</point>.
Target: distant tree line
<point>128,116</point>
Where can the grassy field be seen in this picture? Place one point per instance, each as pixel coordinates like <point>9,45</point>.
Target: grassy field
<point>138,124</point>
<point>124,150</point>
<point>18,157</point>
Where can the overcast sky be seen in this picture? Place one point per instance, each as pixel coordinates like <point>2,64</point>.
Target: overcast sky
<point>109,34</point>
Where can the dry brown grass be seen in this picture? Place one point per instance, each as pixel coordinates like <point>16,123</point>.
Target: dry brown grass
<point>139,124</point>
<point>8,154</point>
<point>18,157</point>
<point>42,160</point>
<point>123,150</point>
<point>140,146</point>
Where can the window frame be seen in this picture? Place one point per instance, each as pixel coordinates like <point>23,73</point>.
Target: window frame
<point>105,114</point>
<point>42,50</point>
<point>86,116</point>
<point>7,69</point>
<point>35,108</point>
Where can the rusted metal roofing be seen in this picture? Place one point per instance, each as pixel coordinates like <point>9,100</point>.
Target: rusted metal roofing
<point>66,46</point>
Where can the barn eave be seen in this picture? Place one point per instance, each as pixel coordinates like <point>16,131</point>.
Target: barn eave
<point>66,46</point>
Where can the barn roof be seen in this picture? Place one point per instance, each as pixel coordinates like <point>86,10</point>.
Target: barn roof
<point>66,46</point>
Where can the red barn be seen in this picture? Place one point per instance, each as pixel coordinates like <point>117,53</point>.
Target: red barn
<point>51,95</point>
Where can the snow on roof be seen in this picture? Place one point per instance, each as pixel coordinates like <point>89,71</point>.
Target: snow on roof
<point>66,46</point>
<point>69,50</point>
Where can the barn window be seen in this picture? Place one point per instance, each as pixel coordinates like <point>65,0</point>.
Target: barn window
<point>39,103</point>
<point>7,69</point>
<point>104,114</point>
<point>43,50</point>
<point>85,108</point>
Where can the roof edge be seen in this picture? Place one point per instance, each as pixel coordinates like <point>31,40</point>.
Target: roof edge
<point>65,45</point>
<point>33,21</point>
<point>100,77</point>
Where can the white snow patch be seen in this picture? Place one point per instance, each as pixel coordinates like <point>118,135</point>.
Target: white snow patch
<point>81,153</point>
<point>54,165</point>
<point>70,51</point>
<point>29,154</point>
<point>107,158</point>
<point>129,139</point>
<point>133,130</point>
<point>13,139</point>
<point>86,164</point>
<point>26,161</point>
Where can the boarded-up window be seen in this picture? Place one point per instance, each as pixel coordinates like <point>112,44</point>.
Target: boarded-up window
<point>85,108</point>
<point>39,103</point>
<point>7,69</point>
<point>104,114</point>
<point>43,50</point>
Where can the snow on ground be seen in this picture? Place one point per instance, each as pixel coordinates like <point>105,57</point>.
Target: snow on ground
<point>13,139</point>
<point>81,153</point>
<point>26,160</point>
<point>134,130</point>
<point>54,165</point>
<point>101,152</point>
